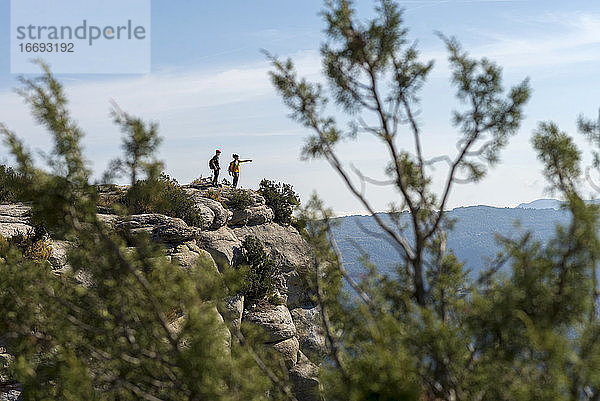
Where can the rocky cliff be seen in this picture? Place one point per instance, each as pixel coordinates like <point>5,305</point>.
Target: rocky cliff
<point>292,326</point>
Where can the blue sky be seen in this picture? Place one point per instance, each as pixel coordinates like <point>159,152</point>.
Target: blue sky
<point>209,89</point>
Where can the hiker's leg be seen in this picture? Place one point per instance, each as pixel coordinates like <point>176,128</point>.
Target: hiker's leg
<point>216,177</point>
<point>236,176</point>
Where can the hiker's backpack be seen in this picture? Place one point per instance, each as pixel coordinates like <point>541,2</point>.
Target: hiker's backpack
<point>231,166</point>
<point>211,164</point>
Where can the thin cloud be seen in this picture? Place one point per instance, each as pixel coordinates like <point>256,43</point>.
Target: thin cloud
<point>187,103</point>
<point>560,39</point>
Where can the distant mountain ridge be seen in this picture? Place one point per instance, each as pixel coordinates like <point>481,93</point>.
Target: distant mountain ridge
<point>541,204</point>
<point>548,204</point>
<point>473,238</point>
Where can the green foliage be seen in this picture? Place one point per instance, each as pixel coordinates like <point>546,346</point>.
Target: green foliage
<point>4,245</point>
<point>559,155</point>
<point>527,328</point>
<point>10,182</point>
<point>164,196</point>
<point>239,199</point>
<point>111,338</point>
<point>258,269</point>
<point>214,194</point>
<point>33,245</point>
<point>139,145</point>
<point>281,198</point>
<point>591,130</point>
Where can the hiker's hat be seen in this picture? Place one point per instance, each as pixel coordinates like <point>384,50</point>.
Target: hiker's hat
<point>218,151</point>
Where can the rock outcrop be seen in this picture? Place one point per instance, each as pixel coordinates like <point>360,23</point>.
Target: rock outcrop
<point>291,327</point>
<point>213,212</point>
<point>14,220</point>
<point>170,230</point>
<point>276,321</point>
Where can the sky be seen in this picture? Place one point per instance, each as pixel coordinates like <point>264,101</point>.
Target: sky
<point>209,89</point>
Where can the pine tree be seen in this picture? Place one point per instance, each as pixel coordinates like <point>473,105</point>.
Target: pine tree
<point>124,323</point>
<point>527,327</point>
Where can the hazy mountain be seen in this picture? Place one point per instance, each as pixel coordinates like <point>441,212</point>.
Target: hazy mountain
<point>541,204</point>
<point>473,238</point>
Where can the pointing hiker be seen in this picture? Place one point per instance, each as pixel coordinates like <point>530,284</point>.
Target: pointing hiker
<point>234,168</point>
<point>214,166</point>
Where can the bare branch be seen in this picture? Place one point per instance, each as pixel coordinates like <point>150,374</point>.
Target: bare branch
<point>590,180</point>
<point>438,159</point>
<point>370,180</point>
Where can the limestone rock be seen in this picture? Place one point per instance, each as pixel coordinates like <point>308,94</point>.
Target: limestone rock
<point>109,219</point>
<point>293,287</point>
<point>58,260</point>
<point>288,349</point>
<point>276,320</point>
<point>214,215</point>
<point>288,248</point>
<point>222,244</point>
<point>189,253</point>
<point>232,310</point>
<point>305,379</point>
<point>15,210</point>
<point>14,219</point>
<point>11,395</point>
<point>161,228</point>
<point>222,331</point>
<point>310,332</point>
<point>252,216</point>
<point>291,255</point>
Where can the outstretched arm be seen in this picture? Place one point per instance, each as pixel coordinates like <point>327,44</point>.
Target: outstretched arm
<point>244,161</point>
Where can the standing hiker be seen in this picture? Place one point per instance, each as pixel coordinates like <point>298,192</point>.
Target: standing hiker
<point>234,168</point>
<point>214,166</point>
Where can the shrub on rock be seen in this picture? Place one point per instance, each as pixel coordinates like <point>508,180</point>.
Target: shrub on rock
<point>258,269</point>
<point>163,196</point>
<point>281,198</point>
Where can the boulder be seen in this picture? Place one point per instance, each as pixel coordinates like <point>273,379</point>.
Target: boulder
<point>214,215</point>
<point>276,321</point>
<point>251,216</point>
<point>161,228</point>
<point>305,379</point>
<point>188,254</point>
<point>223,245</point>
<point>288,349</point>
<point>310,332</point>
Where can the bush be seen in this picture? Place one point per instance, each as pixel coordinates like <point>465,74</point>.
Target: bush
<point>3,245</point>
<point>214,194</point>
<point>163,196</point>
<point>239,199</point>
<point>34,245</point>
<point>281,198</point>
<point>8,187</point>
<point>258,269</point>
